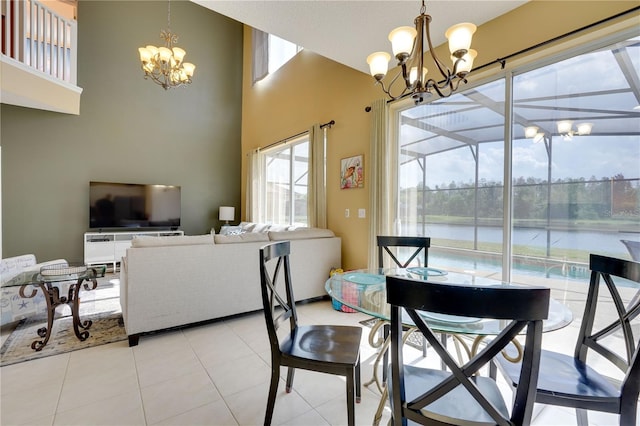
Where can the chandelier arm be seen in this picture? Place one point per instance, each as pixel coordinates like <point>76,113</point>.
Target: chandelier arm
<point>441,67</point>
<point>391,83</point>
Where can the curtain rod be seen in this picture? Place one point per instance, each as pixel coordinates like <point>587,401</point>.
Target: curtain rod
<point>503,61</point>
<point>285,140</point>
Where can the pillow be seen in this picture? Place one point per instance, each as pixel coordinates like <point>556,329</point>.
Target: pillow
<point>279,228</point>
<point>177,240</point>
<point>231,230</point>
<point>301,234</point>
<point>247,226</point>
<point>261,227</point>
<point>247,237</point>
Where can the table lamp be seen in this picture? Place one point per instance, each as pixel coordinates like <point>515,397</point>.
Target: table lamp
<point>227,214</point>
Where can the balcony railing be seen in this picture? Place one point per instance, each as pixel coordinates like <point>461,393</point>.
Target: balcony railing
<point>40,38</point>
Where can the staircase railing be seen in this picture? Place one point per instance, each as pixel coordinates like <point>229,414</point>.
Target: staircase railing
<point>40,38</point>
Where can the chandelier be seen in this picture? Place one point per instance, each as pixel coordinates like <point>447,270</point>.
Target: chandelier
<point>164,65</point>
<point>408,46</point>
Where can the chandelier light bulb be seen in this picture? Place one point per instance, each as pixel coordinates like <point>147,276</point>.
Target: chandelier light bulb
<point>401,40</point>
<point>466,62</point>
<point>378,64</point>
<point>178,54</point>
<point>459,37</point>
<point>584,128</point>
<point>564,127</point>
<point>530,132</point>
<point>413,74</point>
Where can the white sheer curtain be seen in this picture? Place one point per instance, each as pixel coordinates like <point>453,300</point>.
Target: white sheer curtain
<point>317,192</point>
<point>253,193</point>
<point>382,190</point>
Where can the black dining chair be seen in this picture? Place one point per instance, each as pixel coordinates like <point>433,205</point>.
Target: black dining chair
<point>460,395</point>
<point>386,247</point>
<point>331,349</point>
<point>606,334</point>
<point>387,244</point>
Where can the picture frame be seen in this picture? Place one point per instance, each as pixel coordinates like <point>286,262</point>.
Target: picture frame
<point>352,172</point>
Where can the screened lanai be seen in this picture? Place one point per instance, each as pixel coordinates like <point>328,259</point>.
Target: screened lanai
<point>570,167</point>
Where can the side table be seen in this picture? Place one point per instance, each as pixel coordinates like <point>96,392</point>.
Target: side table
<point>46,280</point>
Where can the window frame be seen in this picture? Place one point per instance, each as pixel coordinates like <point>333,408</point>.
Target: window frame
<point>290,146</point>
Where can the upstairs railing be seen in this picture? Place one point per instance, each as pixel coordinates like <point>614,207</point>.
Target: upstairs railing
<point>40,38</point>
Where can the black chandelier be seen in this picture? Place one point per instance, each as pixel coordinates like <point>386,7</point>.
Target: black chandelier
<point>408,46</point>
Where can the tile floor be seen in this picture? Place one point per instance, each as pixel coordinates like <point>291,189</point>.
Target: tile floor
<point>216,374</point>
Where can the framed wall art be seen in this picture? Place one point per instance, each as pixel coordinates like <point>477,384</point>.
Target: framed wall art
<point>352,172</point>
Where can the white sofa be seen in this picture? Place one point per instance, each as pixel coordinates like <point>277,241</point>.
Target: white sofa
<point>168,282</point>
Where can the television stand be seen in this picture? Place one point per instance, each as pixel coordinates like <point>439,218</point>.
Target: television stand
<point>109,247</point>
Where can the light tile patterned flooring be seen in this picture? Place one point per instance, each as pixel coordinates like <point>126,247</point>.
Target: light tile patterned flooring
<point>215,374</point>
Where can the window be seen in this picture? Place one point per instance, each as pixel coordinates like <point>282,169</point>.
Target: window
<point>568,193</point>
<point>270,53</point>
<point>284,183</point>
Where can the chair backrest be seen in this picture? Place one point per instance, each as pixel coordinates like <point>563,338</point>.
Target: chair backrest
<point>385,243</point>
<point>277,293</point>
<point>521,307</point>
<point>602,320</point>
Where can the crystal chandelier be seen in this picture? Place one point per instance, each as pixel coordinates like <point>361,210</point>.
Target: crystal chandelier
<point>408,46</point>
<point>164,65</point>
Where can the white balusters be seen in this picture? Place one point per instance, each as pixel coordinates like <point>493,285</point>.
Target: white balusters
<point>40,38</point>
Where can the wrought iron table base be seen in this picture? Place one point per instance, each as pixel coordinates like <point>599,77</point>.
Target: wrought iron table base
<point>53,299</point>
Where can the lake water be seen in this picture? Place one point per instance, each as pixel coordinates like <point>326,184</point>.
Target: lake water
<point>606,243</point>
<point>591,241</point>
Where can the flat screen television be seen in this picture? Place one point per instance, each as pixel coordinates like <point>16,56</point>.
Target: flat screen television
<point>129,205</point>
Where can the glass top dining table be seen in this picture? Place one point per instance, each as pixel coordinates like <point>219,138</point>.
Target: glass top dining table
<point>364,290</point>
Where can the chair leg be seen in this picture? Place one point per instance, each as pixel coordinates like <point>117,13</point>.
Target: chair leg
<point>628,412</point>
<point>351,409</point>
<point>273,390</point>
<point>290,375</point>
<point>358,382</point>
<point>581,415</point>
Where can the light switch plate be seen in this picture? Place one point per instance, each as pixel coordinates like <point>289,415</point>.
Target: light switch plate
<point>346,212</point>
<point>361,213</point>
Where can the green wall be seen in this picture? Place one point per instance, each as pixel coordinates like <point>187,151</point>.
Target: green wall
<point>128,130</point>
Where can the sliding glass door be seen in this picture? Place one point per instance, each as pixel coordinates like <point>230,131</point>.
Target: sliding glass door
<point>533,195</point>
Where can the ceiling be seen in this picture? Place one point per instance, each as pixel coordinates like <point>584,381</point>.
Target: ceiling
<point>348,31</point>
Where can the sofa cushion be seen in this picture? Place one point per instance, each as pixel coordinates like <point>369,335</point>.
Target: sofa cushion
<point>247,237</point>
<point>176,240</point>
<point>301,233</point>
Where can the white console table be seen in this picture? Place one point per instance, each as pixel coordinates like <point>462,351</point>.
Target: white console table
<point>109,247</point>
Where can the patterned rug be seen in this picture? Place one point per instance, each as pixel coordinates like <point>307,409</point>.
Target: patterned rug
<point>102,306</point>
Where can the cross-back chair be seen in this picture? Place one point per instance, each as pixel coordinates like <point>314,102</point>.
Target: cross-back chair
<point>461,395</point>
<point>419,244</point>
<point>606,330</point>
<point>387,244</point>
<point>331,349</point>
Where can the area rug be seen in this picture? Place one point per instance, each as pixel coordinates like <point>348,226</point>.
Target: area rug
<point>101,306</point>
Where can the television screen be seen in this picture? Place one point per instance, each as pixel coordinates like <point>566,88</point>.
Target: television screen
<point>129,205</point>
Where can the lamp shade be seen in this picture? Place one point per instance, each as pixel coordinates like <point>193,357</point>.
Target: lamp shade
<point>378,64</point>
<point>227,213</point>
<point>564,126</point>
<point>459,37</point>
<point>402,41</point>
